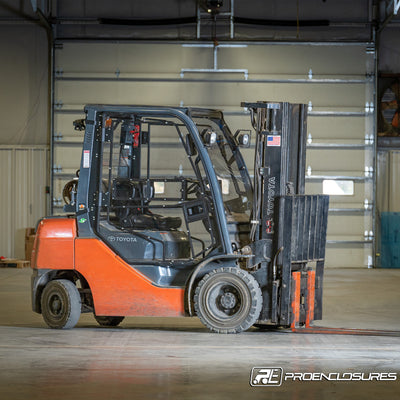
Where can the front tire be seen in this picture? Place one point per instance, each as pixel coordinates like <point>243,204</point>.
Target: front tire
<point>228,300</point>
<point>61,304</point>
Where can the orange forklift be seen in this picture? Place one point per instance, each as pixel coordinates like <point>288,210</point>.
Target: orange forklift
<point>163,220</point>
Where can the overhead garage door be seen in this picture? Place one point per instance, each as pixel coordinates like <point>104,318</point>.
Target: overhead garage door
<point>335,80</point>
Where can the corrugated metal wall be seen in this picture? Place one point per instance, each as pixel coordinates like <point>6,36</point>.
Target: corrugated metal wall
<point>336,80</point>
<point>388,186</point>
<point>22,195</point>
<point>23,82</point>
<point>388,207</point>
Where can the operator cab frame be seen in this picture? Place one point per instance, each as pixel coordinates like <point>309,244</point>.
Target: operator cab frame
<point>119,198</point>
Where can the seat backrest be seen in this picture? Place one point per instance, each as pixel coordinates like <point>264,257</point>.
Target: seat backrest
<point>125,190</point>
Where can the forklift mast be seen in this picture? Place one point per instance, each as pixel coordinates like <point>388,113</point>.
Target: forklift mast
<point>288,228</point>
<point>279,162</point>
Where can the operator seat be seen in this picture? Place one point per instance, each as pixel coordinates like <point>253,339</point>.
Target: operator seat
<point>130,199</point>
<point>148,220</point>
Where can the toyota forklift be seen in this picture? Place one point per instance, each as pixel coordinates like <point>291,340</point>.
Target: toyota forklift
<point>164,220</point>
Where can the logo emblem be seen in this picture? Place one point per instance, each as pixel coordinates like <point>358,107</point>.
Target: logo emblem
<point>266,376</point>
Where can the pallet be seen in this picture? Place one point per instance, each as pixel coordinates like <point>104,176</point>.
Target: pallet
<point>14,263</point>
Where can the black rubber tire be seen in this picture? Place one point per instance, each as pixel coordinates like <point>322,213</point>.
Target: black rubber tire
<point>228,300</point>
<point>108,321</point>
<point>61,304</point>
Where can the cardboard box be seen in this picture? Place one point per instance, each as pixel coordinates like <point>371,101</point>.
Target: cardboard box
<point>29,239</point>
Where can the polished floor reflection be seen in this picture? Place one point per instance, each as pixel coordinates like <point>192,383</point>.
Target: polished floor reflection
<point>178,359</point>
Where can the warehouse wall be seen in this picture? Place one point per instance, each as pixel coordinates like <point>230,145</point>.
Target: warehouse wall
<point>154,74</point>
<point>388,181</point>
<point>23,83</point>
<point>22,197</point>
<point>23,132</point>
<point>24,72</point>
<point>389,55</point>
<point>333,20</point>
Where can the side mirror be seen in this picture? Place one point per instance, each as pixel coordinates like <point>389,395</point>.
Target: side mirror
<point>243,137</point>
<point>190,147</point>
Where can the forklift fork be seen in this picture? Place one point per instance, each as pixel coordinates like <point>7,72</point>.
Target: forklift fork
<point>301,236</point>
<point>303,299</point>
<point>302,310</point>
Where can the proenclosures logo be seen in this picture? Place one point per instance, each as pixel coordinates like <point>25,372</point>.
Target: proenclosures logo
<point>275,376</point>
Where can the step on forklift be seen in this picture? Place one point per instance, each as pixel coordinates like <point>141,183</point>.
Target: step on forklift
<point>165,221</point>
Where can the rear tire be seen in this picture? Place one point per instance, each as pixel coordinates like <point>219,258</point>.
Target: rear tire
<point>228,300</point>
<point>108,321</point>
<point>61,304</point>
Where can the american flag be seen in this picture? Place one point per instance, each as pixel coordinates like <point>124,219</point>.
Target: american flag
<point>273,140</point>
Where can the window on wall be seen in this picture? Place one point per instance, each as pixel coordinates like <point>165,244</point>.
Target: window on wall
<point>338,188</point>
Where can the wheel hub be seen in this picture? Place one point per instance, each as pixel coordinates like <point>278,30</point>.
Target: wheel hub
<point>55,305</point>
<point>228,300</point>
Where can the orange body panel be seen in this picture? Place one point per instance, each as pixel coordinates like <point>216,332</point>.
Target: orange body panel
<point>120,290</point>
<point>54,244</point>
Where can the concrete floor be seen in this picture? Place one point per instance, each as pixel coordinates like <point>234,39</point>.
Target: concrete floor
<point>174,358</point>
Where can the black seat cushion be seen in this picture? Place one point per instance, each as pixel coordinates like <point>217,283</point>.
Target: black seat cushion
<point>153,221</point>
